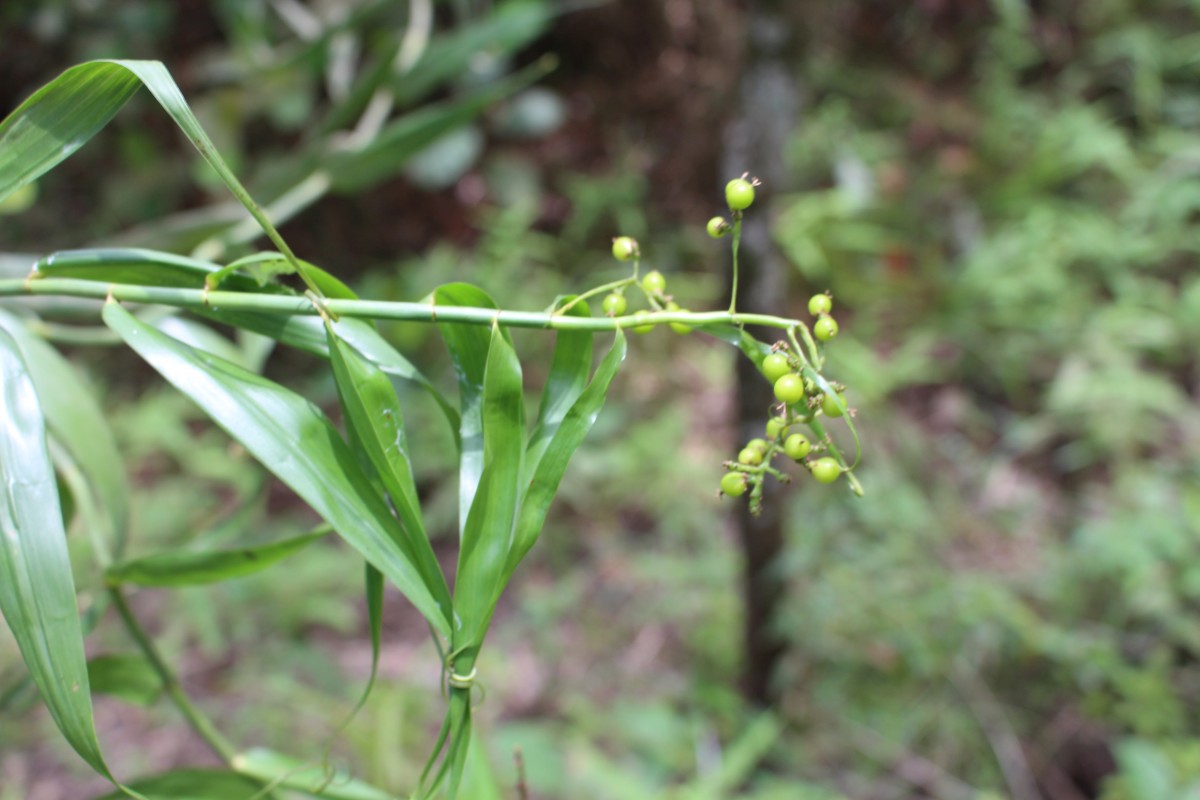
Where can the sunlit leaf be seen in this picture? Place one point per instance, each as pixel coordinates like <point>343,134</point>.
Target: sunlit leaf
<point>37,590</point>
<point>77,423</point>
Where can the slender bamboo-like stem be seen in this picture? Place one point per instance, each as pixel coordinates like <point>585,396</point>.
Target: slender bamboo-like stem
<point>299,305</point>
<point>201,724</point>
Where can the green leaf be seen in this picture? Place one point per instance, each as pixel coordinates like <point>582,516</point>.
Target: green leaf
<point>375,425</point>
<point>308,334</point>
<point>566,381</point>
<point>77,423</point>
<point>468,346</point>
<point>37,590</point>
<point>488,532</point>
<point>755,350</point>
<point>194,784</point>
<point>137,266</point>
<point>568,435</point>
<point>130,677</point>
<point>268,766</point>
<point>62,115</point>
<point>294,440</point>
<point>182,568</point>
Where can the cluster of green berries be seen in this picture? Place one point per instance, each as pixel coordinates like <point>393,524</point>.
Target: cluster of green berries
<point>800,402</point>
<point>653,284</point>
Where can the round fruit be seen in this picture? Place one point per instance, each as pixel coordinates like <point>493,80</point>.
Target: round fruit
<point>644,326</point>
<point>825,470</point>
<point>733,484</point>
<point>825,329</point>
<point>789,389</point>
<point>775,427</point>
<point>750,456</point>
<point>739,194</point>
<point>678,327</point>
<point>625,248</point>
<point>757,444</point>
<point>614,304</point>
<point>797,446</point>
<point>830,406</point>
<point>654,282</point>
<point>775,366</point>
<point>820,304</point>
<point>717,227</point>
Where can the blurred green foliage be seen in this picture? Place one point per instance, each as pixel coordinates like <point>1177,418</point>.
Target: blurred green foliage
<point>1004,196</point>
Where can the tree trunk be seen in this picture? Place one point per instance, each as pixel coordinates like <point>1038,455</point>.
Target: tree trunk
<point>767,112</point>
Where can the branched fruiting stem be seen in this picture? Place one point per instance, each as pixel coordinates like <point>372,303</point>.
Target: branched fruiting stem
<point>737,239</point>
<point>299,305</point>
<point>608,287</point>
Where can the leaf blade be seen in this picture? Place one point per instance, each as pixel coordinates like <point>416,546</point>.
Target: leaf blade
<point>37,589</point>
<point>295,441</point>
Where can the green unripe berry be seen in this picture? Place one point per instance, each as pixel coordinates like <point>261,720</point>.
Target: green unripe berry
<point>678,327</point>
<point>825,329</point>
<point>739,194</point>
<point>797,446</point>
<point>643,325</point>
<point>614,304</point>
<point>733,484</point>
<point>826,470</point>
<point>750,456</point>
<point>775,427</point>
<point>789,389</point>
<point>625,248</point>
<point>820,304</point>
<point>757,444</point>
<point>775,366</point>
<point>717,227</point>
<point>654,282</point>
<point>829,405</point>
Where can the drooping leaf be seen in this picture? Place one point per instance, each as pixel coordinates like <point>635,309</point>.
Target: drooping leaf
<point>61,116</point>
<point>77,423</point>
<point>295,441</point>
<point>184,568</point>
<point>268,766</point>
<point>37,590</point>
<point>128,676</point>
<point>570,433</point>
<point>375,425</point>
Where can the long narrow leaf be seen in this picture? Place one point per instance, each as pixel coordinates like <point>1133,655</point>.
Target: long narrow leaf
<point>192,569</point>
<point>294,440</point>
<point>268,766</point>
<point>566,381</point>
<point>468,346</point>
<point>552,466</point>
<point>488,533</point>
<point>375,425</point>
<point>62,115</point>
<point>78,423</point>
<point>37,590</point>
<point>194,784</point>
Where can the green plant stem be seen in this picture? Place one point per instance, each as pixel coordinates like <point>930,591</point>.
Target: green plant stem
<point>608,287</point>
<point>299,305</point>
<point>201,724</point>
<point>737,239</point>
